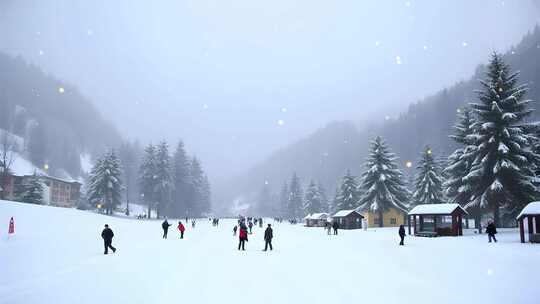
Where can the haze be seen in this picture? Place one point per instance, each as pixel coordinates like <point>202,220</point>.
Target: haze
<point>236,80</point>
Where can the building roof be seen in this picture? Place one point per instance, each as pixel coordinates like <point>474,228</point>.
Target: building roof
<point>318,216</point>
<point>343,213</point>
<point>531,209</point>
<point>436,209</point>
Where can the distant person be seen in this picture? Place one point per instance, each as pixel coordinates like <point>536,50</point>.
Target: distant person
<point>242,236</point>
<point>491,230</point>
<point>235,228</point>
<point>181,228</point>
<point>328,228</point>
<point>401,234</point>
<point>335,226</point>
<point>268,235</point>
<point>260,222</point>
<point>193,224</point>
<point>250,225</point>
<point>107,234</point>
<point>165,225</point>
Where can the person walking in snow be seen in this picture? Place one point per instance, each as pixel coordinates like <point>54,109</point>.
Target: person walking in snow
<point>107,234</point>
<point>235,228</point>
<point>328,228</point>
<point>268,235</point>
<point>260,222</point>
<point>181,228</point>
<point>165,225</point>
<point>193,224</point>
<point>335,226</point>
<point>250,225</point>
<point>491,230</point>
<point>243,236</point>
<point>401,234</point>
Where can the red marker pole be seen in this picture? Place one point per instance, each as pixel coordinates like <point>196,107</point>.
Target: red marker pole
<point>11,229</point>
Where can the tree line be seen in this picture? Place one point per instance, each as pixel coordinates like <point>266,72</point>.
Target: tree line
<point>169,184</point>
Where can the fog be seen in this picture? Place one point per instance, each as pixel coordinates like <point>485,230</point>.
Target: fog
<point>236,80</point>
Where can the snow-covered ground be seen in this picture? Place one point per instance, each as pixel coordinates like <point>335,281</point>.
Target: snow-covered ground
<point>57,257</point>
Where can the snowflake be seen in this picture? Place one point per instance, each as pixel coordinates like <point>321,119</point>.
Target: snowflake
<point>398,60</point>
<point>464,43</point>
<point>90,32</point>
<point>61,90</point>
<point>41,53</point>
<point>425,47</point>
<point>283,110</point>
<point>377,43</point>
<point>205,106</point>
<point>280,122</point>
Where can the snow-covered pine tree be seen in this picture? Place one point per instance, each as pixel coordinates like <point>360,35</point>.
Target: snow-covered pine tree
<point>348,197</point>
<point>325,204</point>
<point>313,202</point>
<point>428,185</point>
<point>295,201</point>
<point>333,205</point>
<point>32,190</point>
<point>163,178</point>
<point>105,185</point>
<point>284,200</point>
<point>182,181</point>
<point>460,161</point>
<point>502,174</point>
<point>196,207</point>
<point>147,177</point>
<point>206,197</point>
<point>382,183</point>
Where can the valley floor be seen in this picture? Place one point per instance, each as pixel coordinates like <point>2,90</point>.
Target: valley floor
<point>57,257</point>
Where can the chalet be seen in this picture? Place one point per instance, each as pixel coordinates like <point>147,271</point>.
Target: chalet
<point>437,220</point>
<point>348,219</point>
<point>57,192</point>
<point>530,212</point>
<point>316,220</point>
<point>392,217</point>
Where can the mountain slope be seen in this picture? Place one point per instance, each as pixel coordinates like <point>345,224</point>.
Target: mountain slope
<point>428,121</point>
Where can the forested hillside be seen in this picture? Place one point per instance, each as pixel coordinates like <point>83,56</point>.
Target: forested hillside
<point>326,154</point>
<point>57,123</point>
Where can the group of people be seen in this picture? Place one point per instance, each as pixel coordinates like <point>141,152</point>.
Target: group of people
<point>243,234</point>
<point>181,228</point>
<point>331,226</point>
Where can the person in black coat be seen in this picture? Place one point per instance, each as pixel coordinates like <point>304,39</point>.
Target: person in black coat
<point>401,234</point>
<point>107,234</point>
<point>335,226</point>
<point>491,230</point>
<point>165,227</point>
<point>268,235</point>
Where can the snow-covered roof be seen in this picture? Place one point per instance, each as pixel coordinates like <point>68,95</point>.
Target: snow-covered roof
<point>531,209</point>
<point>318,216</point>
<point>343,213</point>
<point>436,209</point>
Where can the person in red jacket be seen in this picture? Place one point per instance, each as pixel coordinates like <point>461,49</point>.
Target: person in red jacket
<point>182,229</point>
<point>243,236</point>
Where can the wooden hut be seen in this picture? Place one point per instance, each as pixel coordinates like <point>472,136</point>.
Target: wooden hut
<point>530,212</point>
<point>348,219</point>
<point>316,220</point>
<point>437,220</point>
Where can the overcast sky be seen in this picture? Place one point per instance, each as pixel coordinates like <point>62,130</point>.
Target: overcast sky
<point>237,79</point>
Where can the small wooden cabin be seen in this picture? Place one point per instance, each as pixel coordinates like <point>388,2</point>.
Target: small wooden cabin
<point>348,219</point>
<point>530,212</point>
<point>316,220</point>
<point>437,220</point>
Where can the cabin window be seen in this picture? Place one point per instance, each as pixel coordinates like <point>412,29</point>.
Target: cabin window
<point>393,221</point>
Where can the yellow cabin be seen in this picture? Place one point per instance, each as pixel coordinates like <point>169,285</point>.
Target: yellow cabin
<point>393,217</point>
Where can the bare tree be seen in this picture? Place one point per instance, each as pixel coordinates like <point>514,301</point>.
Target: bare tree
<point>7,157</point>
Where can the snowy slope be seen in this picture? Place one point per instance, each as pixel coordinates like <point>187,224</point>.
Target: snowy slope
<point>56,257</point>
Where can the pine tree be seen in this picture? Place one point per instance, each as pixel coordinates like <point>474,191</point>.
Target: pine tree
<point>428,185</point>
<point>333,206</point>
<point>196,207</point>
<point>460,161</point>
<point>182,181</point>
<point>501,174</point>
<point>105,182</point>
<point>382,183</point>
<point>284,200</point>
<point>206,197</point>
<point>295,201</point>
<point>313,202</point>
<point>325,204</point>
<point>163,178</point>
<point>348,197</point>
<point>32,190</point>
<point>129,156</point>
<point>147,177</point>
